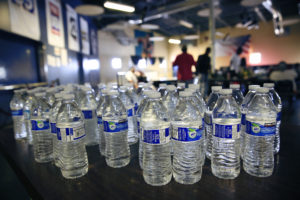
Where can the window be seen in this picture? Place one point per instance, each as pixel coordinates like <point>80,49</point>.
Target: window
<point>255,58</point>
<point>116,63</point>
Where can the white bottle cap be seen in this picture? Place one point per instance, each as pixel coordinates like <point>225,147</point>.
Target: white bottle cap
<point>85,89</point>
<point>262,90</point>
<point>162,85</point>
<point>68,96</point>
<point>123,88</point>
<point>253,87</point>
<point>226,91</point>
<point>185,94</point>
<point>147,92</point>
<point>194,86</point>
<point>154,94</point>
<point>234,86</point>
<point>40,94</point>
<point>192,90</point>
<point>216,88</point>
<point>51,90</point>
<point>105,91</point>
<point>59,95</point>
<point>181,85</point>
<point>112,92</point>
<point>171,87</point>
<point>101,85</point>
<point>269,85</point>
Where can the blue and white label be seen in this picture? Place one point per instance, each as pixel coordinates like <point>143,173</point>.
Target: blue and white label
<point>39,125</point>
<point>70,134</point>
<point>243,119</point>
<point>187,134</point>
<point>114,127</point>
<point>17,112</point>
<point>99,120</point>
<point>53,128</point>
<point>227,131</point>
<point>136,107</point>
<point>138,126</point>
<point>130,112</point>
<point>156,136</point>
<point>258,129</point>
<point>26,114</point>
<point>88,114</point>
<point>278,117</point>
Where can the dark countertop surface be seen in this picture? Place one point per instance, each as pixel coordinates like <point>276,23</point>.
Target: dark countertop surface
<point>102,182</point>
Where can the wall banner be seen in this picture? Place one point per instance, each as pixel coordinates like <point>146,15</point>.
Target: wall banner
<point>85,41</point>
<point>72,24</point>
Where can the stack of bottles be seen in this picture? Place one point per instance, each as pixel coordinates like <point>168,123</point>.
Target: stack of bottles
<point>174,127</point>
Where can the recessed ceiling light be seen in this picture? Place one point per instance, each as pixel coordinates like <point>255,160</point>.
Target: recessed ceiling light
<point>157,38</point>
<point>186,24</point>
<point>119,6</point>
<point>150,26</point>
<point>205,12</point>
<point>174,41</point>
<point>89,10</point>
<point>191,37</point>
<point>135,21</point>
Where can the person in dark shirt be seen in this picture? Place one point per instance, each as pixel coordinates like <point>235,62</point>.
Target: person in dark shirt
<point>184,62</point>
<point>202,69</point>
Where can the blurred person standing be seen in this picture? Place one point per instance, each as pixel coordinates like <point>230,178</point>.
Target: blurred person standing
<point>202,69</point>
<point>235,62</point>
<point>131,77</point>
<point>184,61</point>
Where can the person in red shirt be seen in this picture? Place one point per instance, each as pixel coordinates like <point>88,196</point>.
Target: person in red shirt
<point>184,62</point>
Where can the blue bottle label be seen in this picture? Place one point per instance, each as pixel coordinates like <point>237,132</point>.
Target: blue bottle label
<point>17,112</point>
<point>187,134</point>
<point>243,119</point>
<point>130,112</point>
<point>257,129</point>
<point>114,127</point>
<point>278,117</point>
<point>99,120</point>
<point>70,134</point>
<point>26,114</point>
<point>227,131</point>
<point>88,114</point>
<point>156,136</point>
<point>39,125</point>
<point>138,126</point>
<point>53,128</point>
<point>136,107</point>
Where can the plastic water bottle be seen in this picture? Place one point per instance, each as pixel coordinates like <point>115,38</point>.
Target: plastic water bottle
<point>162,89</point>
<point>138,119</point>
<point>187,132</point>
<point>115,131</point>
<point>249,96</point>
<point>16,106</point>
<point>133,95</point>
<point>88,106</point>
<point>101,86</point>
<point>42,137</point>
<point>226,118</point>
<point>99,111</point>
<point>50,96</point>
<point>170,99</point>
<point>155,127</point>
<point>237,93</point>
<point>277,102</point>
<point>129,105</point>
<point>26,111</point>
<point>260,134</point>
<point>211,101</point>
<point>70,133</point>
<point>197,92</point>
<point>180,87</point>
<point>53,115</point>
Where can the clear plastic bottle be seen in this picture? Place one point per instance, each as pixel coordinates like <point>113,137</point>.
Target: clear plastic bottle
<point>155,129</point>
<point>180,87</point>
<point>70,133</point>
<point>237,93</point>
<point>249,96</point>
<point>129,105</point>
<point>258,159</point>
<point>88,106</point>
<point>211,102</point>
<point>53,115</point>
<point>197,92</point>
<point>99,111</point>
<point>162,89</point>
<point>16,106</point>
<point>226,118</point>
<point>101,86</point>
<point>115,131</point>
<point>27,108</point>
<point>50,96</point>
<point>170,99</point>
<point>277,102</point>
<point>42,137</point>
<point>187,132</point>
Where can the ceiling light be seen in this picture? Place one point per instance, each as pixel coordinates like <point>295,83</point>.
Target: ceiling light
<point>205,12</point>
<point>89,10</point>
<point>157,38</point>
<point>191,37</point>
<point>174,41</point>
<point>186,24</point>
<point>118,6</point>
<point>135,21</point>
<point>150,26</point>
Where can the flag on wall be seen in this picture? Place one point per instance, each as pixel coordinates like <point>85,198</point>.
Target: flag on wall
<point>72,24</point>
<point>55,29</point>
<point>228,45</point>
<point>84,30</point>
<point>24,18</point>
